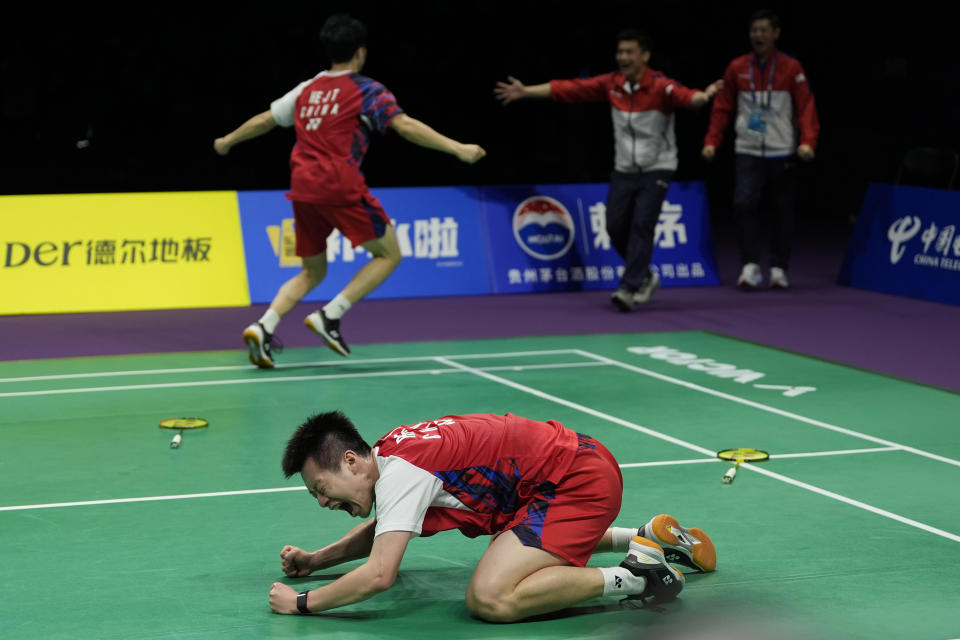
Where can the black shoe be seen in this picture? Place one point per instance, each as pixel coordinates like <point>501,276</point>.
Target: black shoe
<point>260,342</point>
<point>645,558</point>
<point>329,330</point>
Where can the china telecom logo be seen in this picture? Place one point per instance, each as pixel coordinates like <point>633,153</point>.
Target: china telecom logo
<point>543,228</point>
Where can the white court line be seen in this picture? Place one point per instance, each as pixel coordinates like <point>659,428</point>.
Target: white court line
<point>332,376</point>
<point>217,494</point>
<point>290,365</point>
<point>767,408</point>
<point>856,503</point>
<point>812,454</point>
<point>184,496</point>
<point>693,447</point>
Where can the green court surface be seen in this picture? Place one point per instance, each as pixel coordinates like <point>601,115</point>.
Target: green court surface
<point>850,530</point>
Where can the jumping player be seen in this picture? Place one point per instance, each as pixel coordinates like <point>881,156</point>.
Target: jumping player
<point>546,494</point>
<point>334,114</point>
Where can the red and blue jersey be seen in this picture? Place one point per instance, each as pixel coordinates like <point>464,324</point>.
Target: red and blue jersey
<point>334,115</point>
<point>470,472</point>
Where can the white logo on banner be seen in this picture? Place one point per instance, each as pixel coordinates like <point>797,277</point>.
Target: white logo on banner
<point>900,231</point>
<point>941,245</point>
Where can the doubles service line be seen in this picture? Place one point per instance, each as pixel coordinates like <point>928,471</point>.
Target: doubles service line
<point>693,447</point>
<point>331,376</point>
<point>289,365</point>
<point>767,408</point>
<point>243,492</point>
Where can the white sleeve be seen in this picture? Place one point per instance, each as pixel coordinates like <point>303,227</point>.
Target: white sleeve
<point>403,494</point>
<point>283,108</point>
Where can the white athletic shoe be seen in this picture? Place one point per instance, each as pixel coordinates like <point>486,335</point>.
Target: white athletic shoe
<point>750,277</point>
<point>643,294</point>
<point>778,278</point>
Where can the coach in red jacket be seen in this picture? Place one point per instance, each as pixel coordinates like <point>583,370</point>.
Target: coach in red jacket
<point>642,104</point>
<point>776,122</point>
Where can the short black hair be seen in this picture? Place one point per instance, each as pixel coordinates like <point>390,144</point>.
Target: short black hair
<point>641,38</point>
<point>766,14</point>
<point>323,438</point>
<point>341,36</point>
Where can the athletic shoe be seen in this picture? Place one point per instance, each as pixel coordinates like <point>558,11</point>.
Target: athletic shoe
<point>260,342</point>
<point>622,299</point>
<point>643,294</point>
<point>329,330</point>
<point>645,558</point>
<point>778,278</point>
<point>750,277</point>
<point>689,547</point>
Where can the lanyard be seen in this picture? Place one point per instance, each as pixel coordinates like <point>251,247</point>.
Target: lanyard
<point>753,93</point>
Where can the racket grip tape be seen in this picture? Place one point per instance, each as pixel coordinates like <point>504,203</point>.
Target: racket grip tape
<point>729,475</point>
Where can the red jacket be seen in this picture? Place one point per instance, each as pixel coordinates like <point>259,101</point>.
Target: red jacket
<point>790,101</point>
<point>642,115</point>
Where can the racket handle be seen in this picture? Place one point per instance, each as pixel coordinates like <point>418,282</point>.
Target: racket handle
<point>729,475</point>
<point>175,443</point>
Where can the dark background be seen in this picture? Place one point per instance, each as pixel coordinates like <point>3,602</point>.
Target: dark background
<point>149,89</point>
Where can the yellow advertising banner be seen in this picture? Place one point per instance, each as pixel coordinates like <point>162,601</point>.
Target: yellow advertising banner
<point>121,251</point>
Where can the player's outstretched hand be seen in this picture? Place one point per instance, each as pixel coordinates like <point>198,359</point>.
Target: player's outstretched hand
<point>221,147</point>
<point>708,152</point>
<point>283,599</point>
<point>714,89</point>
<point>470,153</point>
<point>507,92</point>
<point>296,562</point>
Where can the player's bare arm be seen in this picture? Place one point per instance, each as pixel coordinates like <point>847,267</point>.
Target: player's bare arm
<point>376,575</point>
<point>356,544</point>
<point>423,135</point>
<point>513,90</point>
<point>701,98</point>
<point>255,126</point>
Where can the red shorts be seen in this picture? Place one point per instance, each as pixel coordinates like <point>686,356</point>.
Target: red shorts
<point>569,520</point>
<point>360,222</point>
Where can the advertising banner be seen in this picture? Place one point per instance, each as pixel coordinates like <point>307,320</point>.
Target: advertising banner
<point>553,238</point>
<point>906,242</point>
<point>113,252</point>
<point>438,229</point>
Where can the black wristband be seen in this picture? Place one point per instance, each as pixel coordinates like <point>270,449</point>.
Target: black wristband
<point>302,602</point>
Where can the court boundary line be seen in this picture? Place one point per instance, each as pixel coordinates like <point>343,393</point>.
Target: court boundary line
<point>763,407</point>
<point>699,449</point>
<point>243,492</point>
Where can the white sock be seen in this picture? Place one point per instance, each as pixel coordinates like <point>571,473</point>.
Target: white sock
<point>270,320</point>
<point>337,307</point>
<point>621,538</point>
<point>618,581</point>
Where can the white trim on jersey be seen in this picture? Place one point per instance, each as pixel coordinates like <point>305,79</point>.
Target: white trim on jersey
<point>284,107</point>
<point>404,492</point>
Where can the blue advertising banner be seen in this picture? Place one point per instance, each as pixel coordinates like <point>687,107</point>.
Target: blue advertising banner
<point>438,229</point>
<point>906,243</point>
<point>553,238</point>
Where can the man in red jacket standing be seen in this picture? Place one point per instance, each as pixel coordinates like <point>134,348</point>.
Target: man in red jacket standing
<point>776,122</point>
<point>642,102</point>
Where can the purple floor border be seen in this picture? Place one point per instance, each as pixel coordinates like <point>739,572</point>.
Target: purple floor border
<point>892,335</point>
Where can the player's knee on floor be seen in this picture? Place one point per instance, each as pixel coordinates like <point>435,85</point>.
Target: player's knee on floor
<point>491,605</point>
